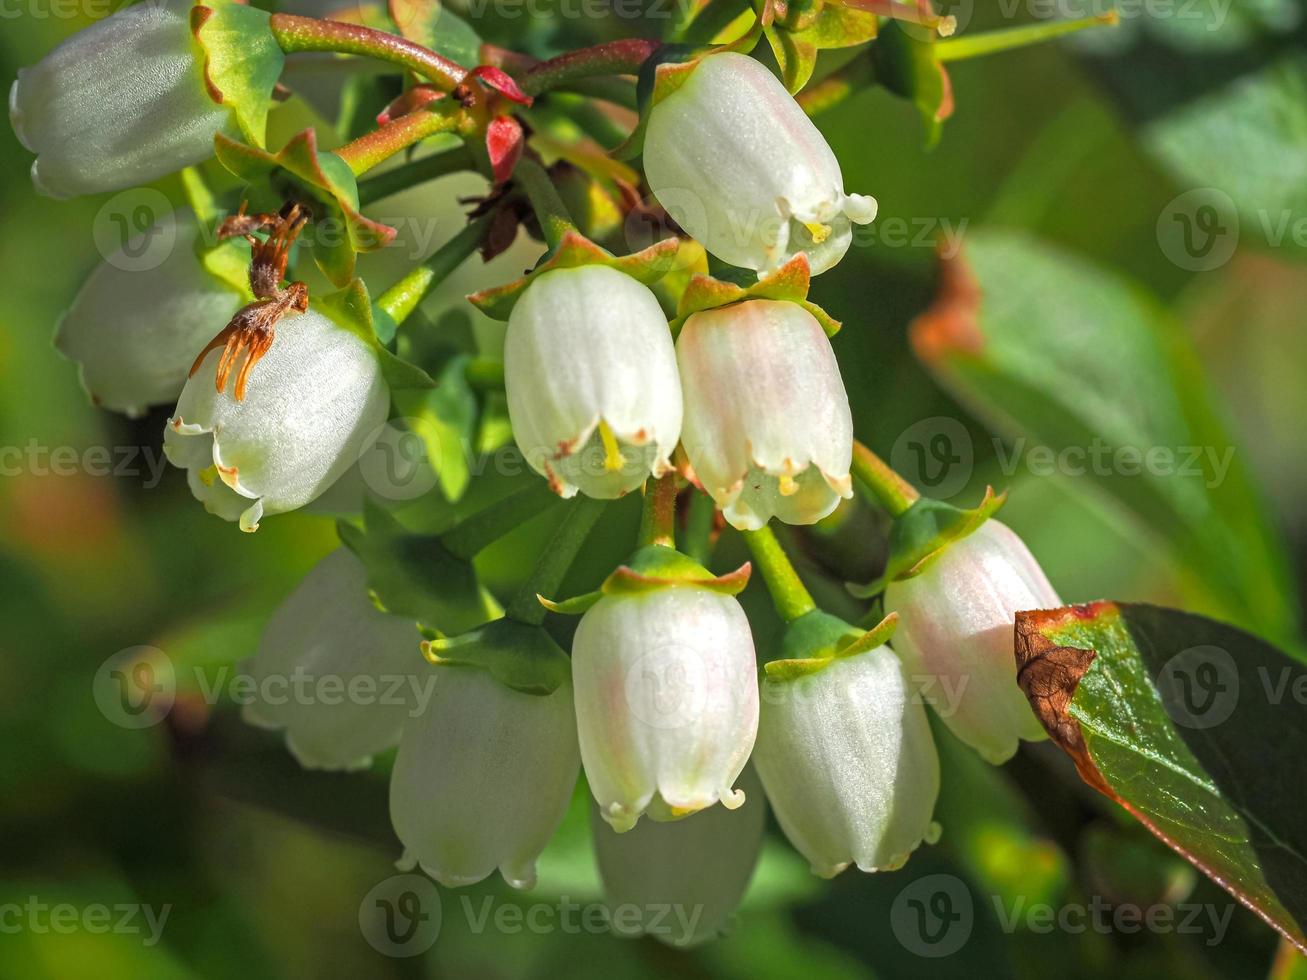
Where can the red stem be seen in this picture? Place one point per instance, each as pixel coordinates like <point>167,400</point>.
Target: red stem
<point>296,34</point>
<point>614,58</point>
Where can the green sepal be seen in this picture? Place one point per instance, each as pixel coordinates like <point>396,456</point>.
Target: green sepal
<point>910,67</point>
<point>414,575</point>
<point>656,566</point>
<point>575,250</point>
<point>242,61</point>
<point>921,535</point>
<point>518,655</point>
<point>817,639</point>
<point>834,26</point>
<point>351,309</point>
<point>323,183</point>
<point>651,568</point>
<point>789,283</point>
<point>665,72</point>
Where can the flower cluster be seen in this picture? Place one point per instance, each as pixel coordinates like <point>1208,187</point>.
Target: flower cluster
<point>621,374</point>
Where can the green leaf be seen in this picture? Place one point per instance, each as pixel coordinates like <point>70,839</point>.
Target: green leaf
<point>242,61</point>
<point>834,26</point>
<point>414,574</point>
<point>910,67</point>
<point>432,25</point>
<point>1059,355</point>
<point>445,419</point>
<point>1195,727</point>
<point>321,181</point>
<point>1219,99</point>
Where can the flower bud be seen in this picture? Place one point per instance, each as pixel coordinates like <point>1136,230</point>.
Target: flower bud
<point>338,674</point>
<point>590,370</point>
<point>956,623</point>
<point>686,877</point>
<point>767,422</point>
<point>483,778</point>
<point>738,164</point>
<point>135,334</point>
<point>848,762</point>
<point>118,104</point>
<point>666,701</point>
<point>316,401</point>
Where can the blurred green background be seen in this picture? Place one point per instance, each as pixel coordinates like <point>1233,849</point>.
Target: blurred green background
<point>1083,148</point>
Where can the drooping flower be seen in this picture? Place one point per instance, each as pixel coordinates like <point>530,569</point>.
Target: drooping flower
<point>483,778</point>
<point>118,104</point>
<point>134,333</point>
<point>846,755</point>
<point>666,696</point>
<point>739,166</point>
<point>316,401</point>
<point>767,423</point>
<point>684,878</point>
<point>335,672</point>
<point>956,629</point>
<point>590,371</point>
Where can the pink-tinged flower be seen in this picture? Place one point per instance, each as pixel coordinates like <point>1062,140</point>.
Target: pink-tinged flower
<point>956,622</point>
<point>767,422</point>
<point>738,164</point>
<point>590,371</point>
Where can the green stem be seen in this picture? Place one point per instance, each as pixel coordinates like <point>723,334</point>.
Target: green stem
<point>622,57</point>
<point>557,558</point>
<point>699,527</point>
<point>488,525</point>
<point>401,178</point>
<point>296,34</point>
<point>550,210</point>
<point>788,593</point>
<point>401,299</point>
<point>381,144</point>
<point>891,491</point>
<point>991,42</point>
<point>658,519</point>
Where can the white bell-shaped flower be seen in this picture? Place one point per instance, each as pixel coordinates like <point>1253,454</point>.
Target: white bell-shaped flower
<point>742,169</point>
<point>956,623</point>
<point>666,701</point>
<point>316,401</point>
<point>483,778</point>
<point>681,882</point>
<point>590,372</point>
<point>135,332</point>
<point>118,104</point>
<point>335,672</point>
<point>767,423</point>
<point>846,756</point>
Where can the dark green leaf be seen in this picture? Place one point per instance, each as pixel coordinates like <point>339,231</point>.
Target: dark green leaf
<point>1063,356</point>
<point>1195,727</point>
